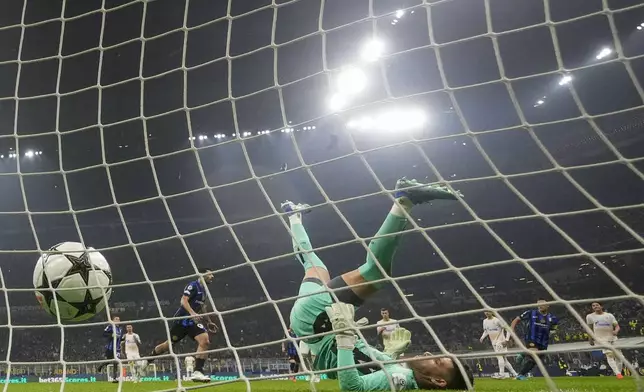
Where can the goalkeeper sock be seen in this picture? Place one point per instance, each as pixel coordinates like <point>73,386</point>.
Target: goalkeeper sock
<point>301,242</point>
<point>199,362</point>
<point>384,248</point>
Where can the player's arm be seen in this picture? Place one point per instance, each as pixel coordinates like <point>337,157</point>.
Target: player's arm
<point>616,327</point>
<point>591,326</point>
<point>212,326</point>
<point>485,333</point>
<point>122,344</point>
<point>554,324</point>
<point>351,380</point>
<point>380,330</point>
<point>137,338</point>
<point>108,331</point>
<point>522,317</point>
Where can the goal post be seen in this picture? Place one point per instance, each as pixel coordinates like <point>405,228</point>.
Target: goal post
<point>166,133</point>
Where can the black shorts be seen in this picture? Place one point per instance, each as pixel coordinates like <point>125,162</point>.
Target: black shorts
<point>539,346</point>
<point>180,331</point>
<point>111,354</point>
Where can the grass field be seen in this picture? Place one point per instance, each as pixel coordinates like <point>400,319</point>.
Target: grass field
<point>567,384</point>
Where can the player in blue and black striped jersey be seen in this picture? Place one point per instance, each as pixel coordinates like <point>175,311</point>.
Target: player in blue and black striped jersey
<point>291,351</point>
<point>114,335</point>
<point>539,325</point>
<point>189,322</point>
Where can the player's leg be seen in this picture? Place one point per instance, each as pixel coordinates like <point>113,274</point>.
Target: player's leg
<point>177,333</point>
<point>313,297</point>
<point>509,367</point>
<point>501,361</point>
<point>382,249</point>
<point>613,363</point>
<point>200,335</point>
<point>314,267</point>
<point>528,364</point>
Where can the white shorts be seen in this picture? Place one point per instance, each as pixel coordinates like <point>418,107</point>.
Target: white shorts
<point>607,341</point>
<point>132,356</point>
<point>190,369</point>
<point>500,348</point>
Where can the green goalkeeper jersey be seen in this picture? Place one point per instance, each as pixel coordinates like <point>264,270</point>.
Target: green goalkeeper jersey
<point>328,357</point>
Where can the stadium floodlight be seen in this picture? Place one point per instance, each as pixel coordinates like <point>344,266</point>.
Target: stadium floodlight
<point>400,14</point>
<point>565,80</point>
<point>391,120</point>
<point>337,102</point>
<point>372,50</point>
<point>29,154</point>
<point>605,52</point>
<point>639,27</point>
<point>351,80</point>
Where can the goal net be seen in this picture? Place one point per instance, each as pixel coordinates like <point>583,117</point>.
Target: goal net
<point>166,133</point>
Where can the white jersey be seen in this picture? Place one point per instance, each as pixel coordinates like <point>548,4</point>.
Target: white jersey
<point>602,325</point>
<point>386,330</point>
<point>132,342</point>
<point>190,362</point>
<point>494,329</point>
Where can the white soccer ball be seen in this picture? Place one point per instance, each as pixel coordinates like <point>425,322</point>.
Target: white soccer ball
<point>63,279</point>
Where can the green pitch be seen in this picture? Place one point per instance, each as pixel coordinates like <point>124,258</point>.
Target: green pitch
<point>567,384</point>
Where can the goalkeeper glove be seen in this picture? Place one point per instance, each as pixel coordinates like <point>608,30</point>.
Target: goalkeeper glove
<point>341,316</point>
<point>398,342</point>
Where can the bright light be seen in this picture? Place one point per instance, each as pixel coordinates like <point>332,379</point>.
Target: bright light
<point>372,50</point>
<point>392,120</point>
<point>313,127</point>
<point>1,155</point>
<point>605,52</point>
<point>639,27</point>
<point>400,13</point>
<point>540,102</point>
<point>351,80</point>
<point>29,154</point>
<point>565,80</point>
<point>337,102</point>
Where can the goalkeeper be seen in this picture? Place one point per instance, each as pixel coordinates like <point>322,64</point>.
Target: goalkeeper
<point>310,315</point>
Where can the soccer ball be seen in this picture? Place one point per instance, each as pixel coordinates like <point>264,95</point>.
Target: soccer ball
<point>69,273</point>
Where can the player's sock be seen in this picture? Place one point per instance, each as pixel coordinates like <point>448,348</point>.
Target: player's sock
<point>384,248</point>
<point>528,364</point>
<point>296,367</point>
<point>301,243</point>
<point>115,370</point>
<point>199,363</point>
<point>613,365</point>
<point>508,366</point>
<point>291,366</point>
<point>501,362</point>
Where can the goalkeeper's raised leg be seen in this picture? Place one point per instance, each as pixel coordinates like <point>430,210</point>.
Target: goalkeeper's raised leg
<point>309,317</point>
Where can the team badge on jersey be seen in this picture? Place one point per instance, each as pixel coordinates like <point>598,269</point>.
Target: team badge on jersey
<point>399,381</point>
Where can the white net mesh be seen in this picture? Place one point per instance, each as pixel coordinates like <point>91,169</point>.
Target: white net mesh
<point>166,133</point>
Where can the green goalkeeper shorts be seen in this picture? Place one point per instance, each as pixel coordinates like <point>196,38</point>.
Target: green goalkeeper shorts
<point>308,315</point>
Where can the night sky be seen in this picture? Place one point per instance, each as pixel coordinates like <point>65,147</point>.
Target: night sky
<point>116,101</point>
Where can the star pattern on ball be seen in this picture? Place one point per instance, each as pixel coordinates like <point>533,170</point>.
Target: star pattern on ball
<point>80,265</point>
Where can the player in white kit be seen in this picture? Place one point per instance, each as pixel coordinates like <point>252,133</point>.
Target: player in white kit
<point>190,366</point>
<point>605,328</point>
<point>130,346</point>
<point>386,330</point>
<point>493,327</point>
<point>309,359</point>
